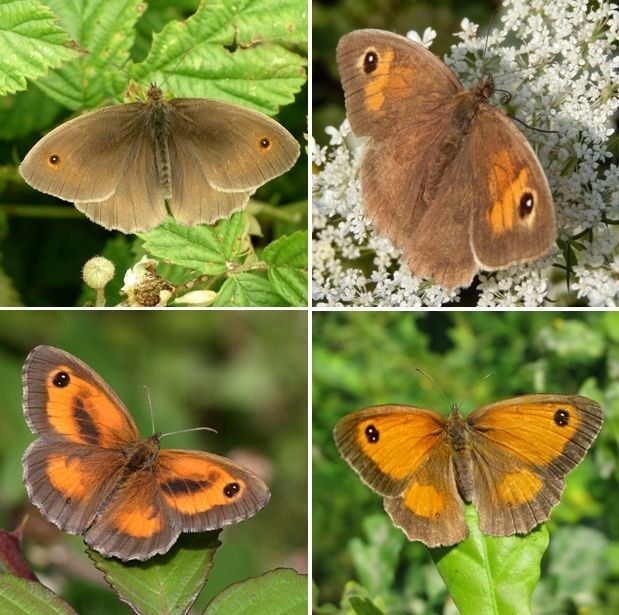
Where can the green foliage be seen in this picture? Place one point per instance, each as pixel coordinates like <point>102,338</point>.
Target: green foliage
<point>362,562</point>
<point>247,53</point>
<point>170,582</point>
<point>244,374</point>
<point>22,596</point>
<point>278,592</point>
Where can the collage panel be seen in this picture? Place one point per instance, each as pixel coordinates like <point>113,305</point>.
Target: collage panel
<point>167,139</point>
<point>464,154</point>
<point>464,462</point>
<point>103,514</point>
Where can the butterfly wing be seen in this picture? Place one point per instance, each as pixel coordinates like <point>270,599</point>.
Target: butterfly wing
<point>522,449</point>
<point>193,200</point>
<point>202,491</point>
<point>138,202</point>
<point>82,425</point>
<point>392,85</point>
<point>513,218</point>
<point>238,149</point>
<point>401,453</point>
<point>404,100</point>
<point>67,401</point>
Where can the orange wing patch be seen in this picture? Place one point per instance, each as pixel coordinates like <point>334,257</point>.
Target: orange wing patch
<point>533,432</point>
<point>425,500</point>
<point>193,485</point>
<point>517,488</point>
<point>84,413</point>
<point>382,77</point>
<point>507,192</point>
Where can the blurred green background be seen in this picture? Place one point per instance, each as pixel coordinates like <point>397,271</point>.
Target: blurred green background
<point>332,19</point>
<point>362,359</point>
<point>244,374</point>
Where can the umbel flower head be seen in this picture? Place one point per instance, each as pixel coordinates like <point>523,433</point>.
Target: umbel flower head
<point>558,59</point>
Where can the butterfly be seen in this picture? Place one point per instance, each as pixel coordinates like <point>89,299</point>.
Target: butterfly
<point>445,176</point>
<point>509,459</point>
<point>90,474</point>
<point>120,165</point>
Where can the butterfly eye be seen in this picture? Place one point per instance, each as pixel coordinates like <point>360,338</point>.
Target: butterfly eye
<point>61,380</point>
<point>371,433</point>
<point>231,489</point>
<point>265,143</point>
<point>54,159</point>
<point>562,417</point>
<point>527,202</point>
<point>370,62</point>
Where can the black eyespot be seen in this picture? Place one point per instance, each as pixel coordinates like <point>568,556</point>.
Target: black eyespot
<point>54,159</point>
<point>231,489</point>
<point>370,62</point>
<point>527,202</point>
<point>265,143</point>
<point>371,433</point>
<point>562,417</point>
<point>61,380</point>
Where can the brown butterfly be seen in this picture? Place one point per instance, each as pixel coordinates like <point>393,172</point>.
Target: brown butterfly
<point>90,474</point>
<point>120,165</point>
<point>509,459</point>
<point>445,176</point>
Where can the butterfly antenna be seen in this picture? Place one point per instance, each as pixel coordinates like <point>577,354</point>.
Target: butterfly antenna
<point>433,382</point>
<point>150,407</point>
<point>172,433</point>
<point>483,65</point>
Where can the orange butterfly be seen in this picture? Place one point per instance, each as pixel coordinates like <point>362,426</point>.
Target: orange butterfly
<point>90,474</point>
<point>509,459</point>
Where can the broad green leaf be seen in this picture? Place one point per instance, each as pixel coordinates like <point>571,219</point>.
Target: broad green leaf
<point>232,50</point>
<point>279,592</point>
<point>206,249</point>
<point>364,606</point>
<point>20,596</point>
<point>105,29</point>
<point>488,574</point>
<point>168,583</point>
<point>31,42</point>
<point>247,290</point>
<point>288,271</point>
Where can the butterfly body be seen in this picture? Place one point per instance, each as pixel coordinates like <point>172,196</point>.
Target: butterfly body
<point>445,175</point>
<point>509,459</point>
<point>120,165</point>
<point>91,474</point>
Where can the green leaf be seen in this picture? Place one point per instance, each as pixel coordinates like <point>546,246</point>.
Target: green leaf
<point>194,57</point>
<point>364,606</point>
<point>288,272</point>
<point>21,596</point>
<point>247,290</point>
<point>168,583</point>
<point>206,249</point>
<point>278,592</point>
<point>31,42</point>
<point>105,29</point>
<point>488,574</point>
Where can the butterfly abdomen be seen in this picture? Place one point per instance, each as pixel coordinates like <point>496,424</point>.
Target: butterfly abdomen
<point>160,127</point>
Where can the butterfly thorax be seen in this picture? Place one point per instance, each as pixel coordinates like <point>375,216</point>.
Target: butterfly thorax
<point>141,455</point>
<point>466,107</point>
<point>458,436</point>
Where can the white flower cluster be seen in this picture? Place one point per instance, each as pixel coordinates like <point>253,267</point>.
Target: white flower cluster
<point>563,76</point>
